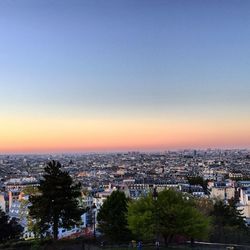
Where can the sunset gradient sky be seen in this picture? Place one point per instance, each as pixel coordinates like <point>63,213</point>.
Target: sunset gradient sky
<point>114,75</point>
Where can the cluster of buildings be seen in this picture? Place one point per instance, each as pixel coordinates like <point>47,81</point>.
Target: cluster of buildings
<point>225,172</point>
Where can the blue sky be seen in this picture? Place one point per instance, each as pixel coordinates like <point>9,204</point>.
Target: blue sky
<point>124,58</point>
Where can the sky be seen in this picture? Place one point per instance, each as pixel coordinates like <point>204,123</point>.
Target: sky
<point>118,75</point>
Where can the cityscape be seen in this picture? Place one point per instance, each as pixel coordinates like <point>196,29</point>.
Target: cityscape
<point>124,124</point>
<point>227,173</point>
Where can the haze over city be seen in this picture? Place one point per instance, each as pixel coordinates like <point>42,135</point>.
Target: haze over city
<point>80,76</point>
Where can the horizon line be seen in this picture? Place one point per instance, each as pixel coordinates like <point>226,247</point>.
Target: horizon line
<point>125,151</point>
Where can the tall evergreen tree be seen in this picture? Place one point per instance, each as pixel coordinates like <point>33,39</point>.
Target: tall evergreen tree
<point>56,204</point>
<point>112,220</point>
<point>228,224</point>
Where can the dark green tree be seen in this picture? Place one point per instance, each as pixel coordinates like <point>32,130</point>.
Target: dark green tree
<point>3,225</point>
<point>112,220</point>
<point>228,214</point>
<point>228,223</point>
<point>9,228</point>
<point>56,204</point>
<point>172,214</point>
<point>198,180</point>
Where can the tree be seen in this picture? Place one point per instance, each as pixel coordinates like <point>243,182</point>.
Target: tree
<point>112,220</point>
<point>14,228</point>
<point>32,226</point>
<point>141,219</point>
<point>228,223</point>
<point>56,204</point>
<point>9,228</point>
<point>198,180</point>
<point>172,214</point>
<point>204,205</point>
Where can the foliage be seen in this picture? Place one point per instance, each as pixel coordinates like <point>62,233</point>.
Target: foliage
<point>172,214</point>
<point>228,224</point>
<point>25,203</point>
<point>141,219</point>
<point>228,215</point>
<point>9,228</point>
<point>204,205</point>
<point>56,204</point>
<point>30,190</point>
<point>198,180</point>
<point>112,220</point>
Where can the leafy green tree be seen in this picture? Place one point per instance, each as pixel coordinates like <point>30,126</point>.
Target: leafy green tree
<point>9,228</point>
<point>204,205</point>
<point>56,204</point>
<point>32,226</point>
<point>172,214</point>
<point>141,220</point>
<point>112,220</point>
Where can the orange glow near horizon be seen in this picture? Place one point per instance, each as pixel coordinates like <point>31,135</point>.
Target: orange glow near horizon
<point>75,135</point>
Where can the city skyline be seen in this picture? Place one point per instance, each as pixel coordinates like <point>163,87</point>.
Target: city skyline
<point>85,76</point>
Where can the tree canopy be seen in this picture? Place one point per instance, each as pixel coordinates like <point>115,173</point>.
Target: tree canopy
<point>112,217</point>
<point>9,228</point>
<point>172,214</point>
<point>228,224</point>
<point>56,204</point>
<point>198,180</point>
